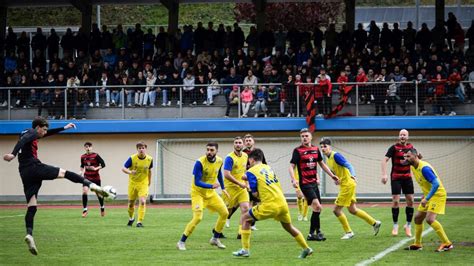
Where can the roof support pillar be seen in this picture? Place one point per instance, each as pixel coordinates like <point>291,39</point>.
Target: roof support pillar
<point>85,7</point>
<point>3,28</point>
<point>173,14</point>
<point>350,14</point>
<point>260,6</point>
<point>439,12</point>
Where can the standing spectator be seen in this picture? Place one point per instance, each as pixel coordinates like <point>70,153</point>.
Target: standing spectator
<point>82,103</point>
<point>330,36</point>
<point>176,81</point>
<point>392,97</point>
<point>397,36</point>
<point>11,41</point>
<point>345,39</point>
<point>325,88</point>
<point>454,83</point>
<point>119,38</point>
<point>148,43</point>
<point>374,35</point>
<point>267,39</point>
<point>273,99</point>
<point>318,37</point>
<point>67,42</point>
<point>161,83</point>
<point>252,39</point>
<point>38,42</point>
<point>150,92</point>
<point>380,95</point>
<point>210,37</point>
<point>57,104</point>
<point>385,37</point>
<point>137,40</point>
<point>233,99</point>
<point>247,99</point>
<point>409,37</point>
<point>162,39</point>
<point>239,37</point>
<point>363,89</point>
<point>452,25</point>
<point>140,91</point>
<point>23,44</point>
<point>280,39</point>
<point>360,38</point>
<point>53,43</point>
<point>439,36</point>
<point>470,34</point>
<point>199,38</point>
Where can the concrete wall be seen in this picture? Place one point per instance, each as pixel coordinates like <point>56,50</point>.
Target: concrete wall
<point>64,151</point>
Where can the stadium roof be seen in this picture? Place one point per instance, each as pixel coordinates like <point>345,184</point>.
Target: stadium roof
<point>21,3</point>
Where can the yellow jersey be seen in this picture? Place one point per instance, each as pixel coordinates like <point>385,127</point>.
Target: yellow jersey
<point>425,175</point>
<point>142,167</point>
<point>237,166</point>
<point>342,168</point>
<point>263,180</point>
<point>206,174</point>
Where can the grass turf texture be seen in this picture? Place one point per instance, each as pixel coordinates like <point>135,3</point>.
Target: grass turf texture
<point>63,237</point>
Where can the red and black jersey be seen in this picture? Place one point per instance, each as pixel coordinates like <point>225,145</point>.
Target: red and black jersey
<point>306,160</point>
<point>400,169</point>
<point>248,151</point>
<point>27,147</point>
<point>92,159</point>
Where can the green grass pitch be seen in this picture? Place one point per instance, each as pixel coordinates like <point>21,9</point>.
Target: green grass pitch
<point>64,238</point>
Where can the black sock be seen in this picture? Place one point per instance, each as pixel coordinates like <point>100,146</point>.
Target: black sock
<point>232,212</point>
<point>315,223</point>
<point>409,212</point>
<point>84,201</point>
<point>395,212</point>
<point>101,201</point>
<point>76,178</point>
<point>29,218</point>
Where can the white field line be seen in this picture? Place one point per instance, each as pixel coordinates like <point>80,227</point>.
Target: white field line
<point>11,216</point>
<point>390,249</point>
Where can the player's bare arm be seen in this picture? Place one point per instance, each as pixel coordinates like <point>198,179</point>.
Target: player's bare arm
<point>384,170</point>
<point>232,179</point>
<point>291,170</point>
<point>328,171</point>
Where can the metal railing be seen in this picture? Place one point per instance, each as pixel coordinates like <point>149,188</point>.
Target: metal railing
<point>274,99</point>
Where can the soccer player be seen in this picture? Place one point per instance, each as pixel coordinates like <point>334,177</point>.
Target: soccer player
<point>138,167</point>
<point>401,181</point>
<point>433,201</point>
<point>33,171</point>
<point>235,165</point>
<point>305,158</point>
<point>266,186</point>
<point>207,178</point>
<point>91,163</point>
<point>347,195</point>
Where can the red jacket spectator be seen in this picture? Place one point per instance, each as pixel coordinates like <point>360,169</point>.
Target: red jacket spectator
<point>361,77</point>
<point>440,84</point>
<point>325,87</point>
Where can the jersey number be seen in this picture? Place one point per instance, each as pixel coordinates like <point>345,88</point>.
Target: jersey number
<point>268,180</point>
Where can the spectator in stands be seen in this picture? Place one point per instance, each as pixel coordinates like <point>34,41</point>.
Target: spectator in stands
<point>452,25</point>
<point>103,90</point>
<point>454,85</point>
<point>189,93</point>
<point>52,43</point>
<point>150,91</point>
<point>212,89</point>
<point>252,39</point>
<point>330,36</point>
<point>247,98</point>
<point>81,103</point>
<point>233,99</point>
<point>360,38</point>
<point>441,103</point>
<point>280,38</point>
<point>261,98</point>
<point>380,95</point>
<point>38,42</point>
<point>57,104</point>
<point>140,81</point>
<point>273,100</point>
<point>325,88</point>
<point>45,102</point>
<point>374,35</point>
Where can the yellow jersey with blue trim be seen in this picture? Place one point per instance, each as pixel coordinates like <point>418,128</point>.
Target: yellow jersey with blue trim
<point>339,166</point>
<point>237,165</point>
<point>141,166</point>
<point>263,180</point>
<point>206,174</point>
<point>425,175</point>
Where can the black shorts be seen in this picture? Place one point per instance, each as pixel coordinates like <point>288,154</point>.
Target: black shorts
<point>311,192</point>
<point>95,181</point>
<point>402,185</point>
<point>33,176</point>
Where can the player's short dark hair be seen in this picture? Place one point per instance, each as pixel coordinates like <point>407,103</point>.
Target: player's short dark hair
<point>257,155</point>
<point>141,144</point>
<point>304,130</point>
<point>248,135</point>
<point>325,141</point>
<point>412,150</point>
<point>213,144</point>
<point>238,137</point>
<point>89,144</point>
<point>39,121</point>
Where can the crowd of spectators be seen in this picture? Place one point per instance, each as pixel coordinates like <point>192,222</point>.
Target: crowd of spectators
<point>206,62</point>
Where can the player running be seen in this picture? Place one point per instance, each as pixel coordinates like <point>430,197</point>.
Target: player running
<point>347,195</point>
<point>266,186</point>
<point>91,163</point>
<point>207,178</point>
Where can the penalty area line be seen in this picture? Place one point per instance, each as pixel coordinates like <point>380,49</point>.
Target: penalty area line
<point>11,216</point>
<point>391,249</point>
